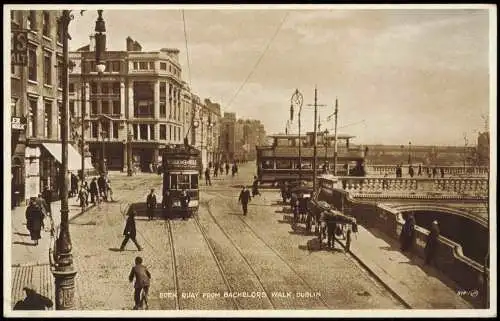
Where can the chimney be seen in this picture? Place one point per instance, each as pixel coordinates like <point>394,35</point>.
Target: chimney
<point>130,44</point>
<point>92,43</point>
<point>137,46</point>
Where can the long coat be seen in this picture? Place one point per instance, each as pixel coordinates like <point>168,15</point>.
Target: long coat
<point>407,234</point>
<point>130,227</point>
<point>432,241</point>
<point>34,220</point>
<point>93,187</point>
<point>244,197</point>
<point>151,201</point>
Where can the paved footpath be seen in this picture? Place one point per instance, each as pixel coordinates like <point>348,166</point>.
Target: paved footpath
<point>418,286</point>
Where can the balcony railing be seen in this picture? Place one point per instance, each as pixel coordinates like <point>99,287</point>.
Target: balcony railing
<point>455,171</point>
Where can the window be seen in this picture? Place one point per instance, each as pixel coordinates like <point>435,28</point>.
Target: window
<point>46,23</point>
<point>163,109</point>
<point>32,20</point>
<point>152,65</point>
<point>116,107</point>
<point>115,130</point>
<point>135,65</point>
<point>283,164</point>
<point>116,88</point>
<point>175,133</point>
<point>47,70</point>
<point>163,65</point>
<point>143,65</point>
<point>143,131</point>
<point>136,134</point>
<point>183,182</point>
<point>105,129</point>
<point>72,108</point>
<point>32,117</point>
<point>93,88</point>
<point>170,131</point>
<point>32,70</point>
<point>163,132</point>
<point>163,89</point>
<point>194,181</point>
<point>115,66</point>
<point>71,88</point>
<point>104,88</point>
<point>105,107</point>
<point>59,113</point>
<point>93,107</point>
<point>93,129</point>
<point>60,73</point>
<point>59,33</point>
<point>47,119</point>
<point>152,132</point>
<point>173,181</point>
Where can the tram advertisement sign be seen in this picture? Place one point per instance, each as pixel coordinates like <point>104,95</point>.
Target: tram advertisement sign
<point>19,52</point>
<point>182,164</point>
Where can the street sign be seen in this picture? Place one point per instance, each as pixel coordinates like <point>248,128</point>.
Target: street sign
<point>18,123</point>
<point>19,52</point>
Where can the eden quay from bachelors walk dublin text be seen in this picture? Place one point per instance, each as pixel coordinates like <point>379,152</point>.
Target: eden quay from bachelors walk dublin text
<point>226,294</point>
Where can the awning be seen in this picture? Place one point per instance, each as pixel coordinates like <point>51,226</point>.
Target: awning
<point>74,158</point>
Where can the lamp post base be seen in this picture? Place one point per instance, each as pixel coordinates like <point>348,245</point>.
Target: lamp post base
<point>64,289</point>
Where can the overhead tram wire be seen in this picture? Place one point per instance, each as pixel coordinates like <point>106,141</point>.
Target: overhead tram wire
<point>258,60</point>
<point>187,48</point>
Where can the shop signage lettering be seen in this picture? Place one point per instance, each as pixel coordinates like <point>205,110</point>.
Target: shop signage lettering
<point>19,52</point>
<point>18,123</point>
<point>182,162</point>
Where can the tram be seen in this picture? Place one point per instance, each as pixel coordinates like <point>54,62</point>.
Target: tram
<point>279,162</point>
<point>181,169</point>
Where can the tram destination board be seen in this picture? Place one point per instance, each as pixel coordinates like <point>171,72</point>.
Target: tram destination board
<point>184,163</point>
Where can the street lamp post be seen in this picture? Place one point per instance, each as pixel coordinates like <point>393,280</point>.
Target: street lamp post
<point>409,153</point>
<point>129,152</point>
<point>296,101</point>
<point>103,161</point>
<point>326,148</point>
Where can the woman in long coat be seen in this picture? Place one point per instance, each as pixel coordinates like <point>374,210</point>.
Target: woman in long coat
<point>34,220</point>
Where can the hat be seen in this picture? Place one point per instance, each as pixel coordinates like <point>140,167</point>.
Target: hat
<point>435,222</point>
<point>29,287</point>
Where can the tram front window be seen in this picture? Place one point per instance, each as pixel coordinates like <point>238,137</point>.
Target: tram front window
<point>183,182</point>
<point>194,181</point>
<point>173,182</point>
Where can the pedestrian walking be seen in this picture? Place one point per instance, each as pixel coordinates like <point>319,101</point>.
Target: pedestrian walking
<point>207,177</point>
<point>283,191</point>
<point>442,172</point>
<point>295,210</point>
<point>411,171</point>
<point>34,220</point>
<point>216,170</point>
<point>167,204</point>
<point>227,168</point>
<point>331,227</point>
<point>151,204</point>
<point>432,243</point>
<point>407,236</point>
<point>33,300</point>
<point>85,186</point>
<point>130,231</point>
<point>244,198</point>
<point>434,172</point>
<point>101,184</point>
<point>83,196</point>
<point>109,189</point>
<point>47,196</point>
<point>185,199</point>
<point>142,278</point>
<point>255,187</point>
<point>94,191</point>
<point>419,173</point>
<point>233,169</point>
<point>74,185</point>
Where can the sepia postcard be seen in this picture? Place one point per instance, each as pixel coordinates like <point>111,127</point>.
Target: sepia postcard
<point>250,160</point>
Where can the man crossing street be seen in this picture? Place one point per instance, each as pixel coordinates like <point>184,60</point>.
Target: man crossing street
<point>151,204</point>
<point>244,199</point>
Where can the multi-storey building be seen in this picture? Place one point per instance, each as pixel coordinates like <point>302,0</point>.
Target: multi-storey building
<point>135,103</point>
<point>213,131</point>
<point>36,102</point>
<point>228,136</point>
<point>248,134</point>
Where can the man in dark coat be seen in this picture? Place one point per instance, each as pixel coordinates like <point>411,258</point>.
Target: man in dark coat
<point>216,170</point>
<point>207,177</point>
<point>101,183</point>
<point>227,168</point>
<point>434,172</point>
<point>233,169</point>
<point>244,198</point>
<point>331,227</point>
<point>407,236</point>
<point>34,220</point>
<point>185,199</point>
<point>151,204</point>
<point>432,243</point>
<point>419,170</point>
<point>33,300</point>
<point>255,187</point>
<point>167,203</point>
<point>142,282</point>
<point>74,184</point>
<point>130,231</point>
<point>442,172</point>
<point>411,171</point>
<point>94,191</point>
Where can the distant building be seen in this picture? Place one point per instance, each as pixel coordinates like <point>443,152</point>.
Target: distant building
<point>483,149</point>
<point>228,136</point>
<point>36,102</point>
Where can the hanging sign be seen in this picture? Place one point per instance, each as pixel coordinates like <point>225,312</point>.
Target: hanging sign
<point>19,52</point>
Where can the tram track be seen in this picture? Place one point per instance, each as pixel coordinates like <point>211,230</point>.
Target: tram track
<point>216,259</point>
<point>174,265</point>
<point>238,249</point>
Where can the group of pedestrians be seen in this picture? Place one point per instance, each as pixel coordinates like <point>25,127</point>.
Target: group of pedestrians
<point>430,172</point>
<point>218,168</point>
<point>408,236</point>
<point>98,190</point>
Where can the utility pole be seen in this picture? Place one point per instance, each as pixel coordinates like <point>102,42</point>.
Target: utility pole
<point>315,152</point>
<point>335,142</point>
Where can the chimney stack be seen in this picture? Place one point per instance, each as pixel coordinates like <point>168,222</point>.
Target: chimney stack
<point>130,44</point>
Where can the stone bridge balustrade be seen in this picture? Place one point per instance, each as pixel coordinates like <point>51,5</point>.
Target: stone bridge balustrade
<point>379,185</point>
<point>454,171</point>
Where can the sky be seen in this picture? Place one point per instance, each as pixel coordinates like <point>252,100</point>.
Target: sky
<point>400,75</point>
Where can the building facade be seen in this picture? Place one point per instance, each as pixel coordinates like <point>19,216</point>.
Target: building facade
<point>228,137</point>
<point>36,103</point>
<point>132,109</point>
